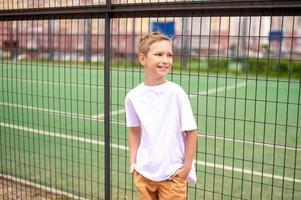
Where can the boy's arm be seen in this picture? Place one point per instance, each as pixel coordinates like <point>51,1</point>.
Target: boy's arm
<point>190,147</point>
<point>191,140</point>
<point>134,137</point>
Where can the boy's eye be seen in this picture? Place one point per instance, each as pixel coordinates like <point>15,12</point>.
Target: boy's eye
<point>158,54</point>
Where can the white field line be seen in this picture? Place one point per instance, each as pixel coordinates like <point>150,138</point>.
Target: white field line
<point>248,142</point>
<point>219,89</point>
<point>205,92</point>
<point>213,165</point>
<point>61,83</point>
<point>43,110</point>
<point>59,135</point>
<point>39,186</point>
<point>101,116</point>
<point>246,171</point>
<point>78,116</point>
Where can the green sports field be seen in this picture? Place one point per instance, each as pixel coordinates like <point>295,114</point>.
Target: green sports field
<point>52,131</point>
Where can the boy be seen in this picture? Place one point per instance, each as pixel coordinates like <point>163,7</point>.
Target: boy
<point>162,130</point>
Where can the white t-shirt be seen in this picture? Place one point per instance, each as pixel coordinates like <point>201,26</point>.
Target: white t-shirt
<point>164,114</point>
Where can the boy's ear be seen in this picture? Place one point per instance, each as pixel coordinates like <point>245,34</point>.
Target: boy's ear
<point>141,58</point>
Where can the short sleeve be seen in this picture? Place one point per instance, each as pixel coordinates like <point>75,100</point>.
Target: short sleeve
<point>132,119</point>
<point>187,119</point>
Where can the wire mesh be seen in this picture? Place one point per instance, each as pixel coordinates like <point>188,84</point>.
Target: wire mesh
<point>242,74</point>
<point>51,95</point>
<point>242,114</point>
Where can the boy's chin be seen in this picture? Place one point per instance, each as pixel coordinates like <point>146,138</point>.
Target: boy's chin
<point>165,72</point>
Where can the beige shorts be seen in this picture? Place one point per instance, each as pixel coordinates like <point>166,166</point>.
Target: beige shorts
<point>174,189</point>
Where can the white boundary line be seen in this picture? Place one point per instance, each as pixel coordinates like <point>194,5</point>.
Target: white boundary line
<point>213,165</point>
<point>204,92</point>
<point>44,110</point>
<point>219,89</point>
<point>211,136</point>
<point>61,83</point>
<point>43,187</point>
<point>116,112</point>
<point>78,116</point>
<point>59,135</point>
<point>246,171</point>
<point>57,112</point>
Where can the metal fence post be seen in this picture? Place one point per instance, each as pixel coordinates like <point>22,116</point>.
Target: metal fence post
<point>107,103</point>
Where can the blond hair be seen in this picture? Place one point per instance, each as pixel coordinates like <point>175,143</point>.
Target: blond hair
<point>149,39</point>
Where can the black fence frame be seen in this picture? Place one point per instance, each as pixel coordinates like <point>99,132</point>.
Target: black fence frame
<point>135,10</point>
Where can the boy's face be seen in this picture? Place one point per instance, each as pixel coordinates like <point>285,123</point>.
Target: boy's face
<point>158,61</point>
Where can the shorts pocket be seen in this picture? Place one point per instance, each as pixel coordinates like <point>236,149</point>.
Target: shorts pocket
<point>180,179</point>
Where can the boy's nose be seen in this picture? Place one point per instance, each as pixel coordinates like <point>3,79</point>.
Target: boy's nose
<point>165,59</point>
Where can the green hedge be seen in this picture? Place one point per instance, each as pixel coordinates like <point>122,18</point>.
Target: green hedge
<point>259,67</point>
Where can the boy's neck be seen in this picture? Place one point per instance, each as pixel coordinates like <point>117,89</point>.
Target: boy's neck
<point>153,82</point>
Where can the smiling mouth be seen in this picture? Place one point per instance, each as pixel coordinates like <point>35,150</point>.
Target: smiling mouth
<point>163,67</point>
